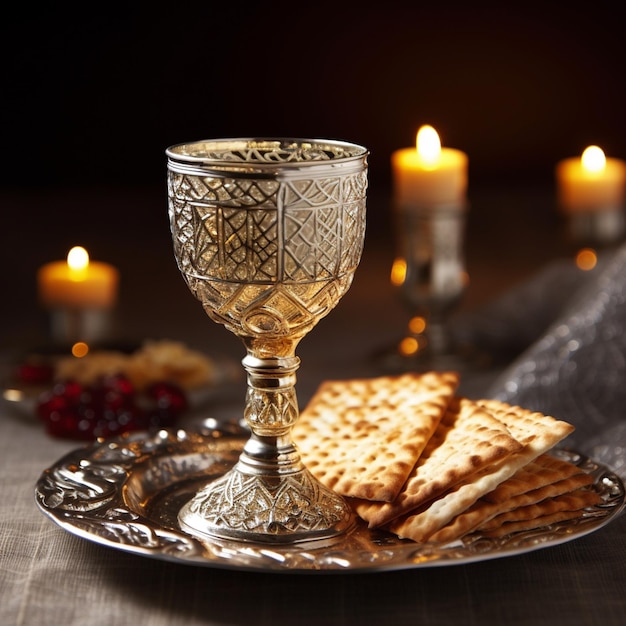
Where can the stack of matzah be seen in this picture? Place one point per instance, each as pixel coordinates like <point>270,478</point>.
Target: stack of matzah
<point>414,458</point>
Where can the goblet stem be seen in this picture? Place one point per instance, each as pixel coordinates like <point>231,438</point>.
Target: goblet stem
<point>269,495</point>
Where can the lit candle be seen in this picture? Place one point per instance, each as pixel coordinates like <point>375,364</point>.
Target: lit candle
<point>428,174</point>
<point>591,182</point>
<point>77,283</point>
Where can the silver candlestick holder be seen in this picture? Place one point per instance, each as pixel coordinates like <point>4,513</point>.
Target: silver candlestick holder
<point>430,277</point>
<point>596,228</point>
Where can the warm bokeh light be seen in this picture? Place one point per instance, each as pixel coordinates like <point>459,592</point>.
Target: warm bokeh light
<point>398,272</point>
<point>78,258</point>
<point>80,349</point>
<point>13,395</point>
<point>593,159</point>
<point>586,259</point>
<point>408,346</point>
<point>428,146</point>
<point>417,325</point>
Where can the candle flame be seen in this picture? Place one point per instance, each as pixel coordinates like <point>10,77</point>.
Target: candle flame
<point>593,159</point>
<point>78,258</point>
<point>428,146</point>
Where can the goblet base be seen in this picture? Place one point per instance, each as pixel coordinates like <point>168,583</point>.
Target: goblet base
<point>266,508</point>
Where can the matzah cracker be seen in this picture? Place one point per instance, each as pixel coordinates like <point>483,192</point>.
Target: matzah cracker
<point>572,501</point>
<point>544,470</point>
<point>467,439</point>
<point>362,437</point>
<point>549,511</point>
<point>538,432</point>
<point>529,485</point>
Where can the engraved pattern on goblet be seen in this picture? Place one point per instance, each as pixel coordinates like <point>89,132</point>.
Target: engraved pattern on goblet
<point>268,235</point>
<point>228,249</point>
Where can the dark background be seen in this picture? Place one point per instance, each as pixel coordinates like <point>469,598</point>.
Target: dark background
<point>92,96</point>
<point>95,95</point>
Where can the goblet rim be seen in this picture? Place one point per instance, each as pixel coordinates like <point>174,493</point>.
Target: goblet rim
<point>207,159</point>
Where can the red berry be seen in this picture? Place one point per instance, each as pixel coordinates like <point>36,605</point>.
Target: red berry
<point>50,404</point>
<point>35,373</point>
<point>69,389</point>
<point>108,407</point>
<point>65,424</point>
<point>168,396</point>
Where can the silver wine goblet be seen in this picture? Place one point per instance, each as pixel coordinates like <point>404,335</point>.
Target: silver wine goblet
<point>267,234</point>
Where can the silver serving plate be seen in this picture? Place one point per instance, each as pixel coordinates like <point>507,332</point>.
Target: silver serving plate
<point>126,492</point>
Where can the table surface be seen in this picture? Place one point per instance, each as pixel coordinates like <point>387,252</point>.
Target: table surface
<point>48,576</point>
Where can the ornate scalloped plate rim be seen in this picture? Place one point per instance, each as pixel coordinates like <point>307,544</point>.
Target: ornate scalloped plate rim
<point>124,493</point>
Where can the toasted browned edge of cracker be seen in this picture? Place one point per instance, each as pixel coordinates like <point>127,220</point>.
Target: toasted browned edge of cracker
<point>538,432</point>
<point>539,486</point>
<point>576,508</point>
<point>466,440</point>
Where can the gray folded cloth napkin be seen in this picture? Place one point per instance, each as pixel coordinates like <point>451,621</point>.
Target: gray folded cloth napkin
<point>567,330</point>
